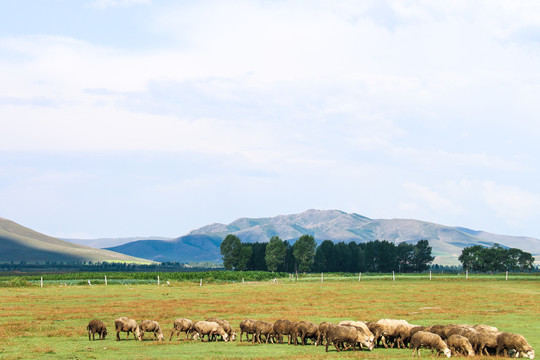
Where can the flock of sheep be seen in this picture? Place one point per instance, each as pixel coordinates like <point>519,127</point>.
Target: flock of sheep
<point>449,340</point>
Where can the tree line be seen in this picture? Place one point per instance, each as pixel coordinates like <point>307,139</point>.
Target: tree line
<point>496,258</point>
<point>304,255</point>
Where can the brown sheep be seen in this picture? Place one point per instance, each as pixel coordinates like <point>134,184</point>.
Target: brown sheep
<point>508,341</point>
<point>208,328</point>
<point>226,326</point>
<point>308,330</point>
<point>182,324</point>
<point>389,329</point>
<point>263,328</point>
<point>454,329</point>
<point>96,326</point>
<point>488,328</point>
<point>378,332</point>
<point>429,340</point>
<point>126,325</point>
<point>246,327</point>
<point>483,340</point>
<point>293,333</point>
<point>460,345</point>
<point>339,335</point>
<point>323,329</point>
<point>403,334</point>
<point>282,327</point>
<point>150,326</point>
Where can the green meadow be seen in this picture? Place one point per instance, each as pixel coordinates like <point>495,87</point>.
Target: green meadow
<point>50,322</point>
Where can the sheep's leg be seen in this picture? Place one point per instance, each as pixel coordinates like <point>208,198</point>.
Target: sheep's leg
<point>172,333</point>
<point>336,346</point>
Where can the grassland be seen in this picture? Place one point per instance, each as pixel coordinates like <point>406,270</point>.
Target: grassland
<point>50,322</point>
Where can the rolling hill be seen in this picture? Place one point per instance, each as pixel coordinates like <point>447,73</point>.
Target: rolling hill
<point>18,243</point>
<point>203,244</point>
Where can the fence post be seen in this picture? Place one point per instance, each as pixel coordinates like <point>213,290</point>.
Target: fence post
<point>322,277</point>
<point>429,274</point>
<point>360,276</point>
<point>393,276</point>
<point>105,280</point>
<point>506,275</point>
<point>200,284</point>
<point>158,280</point>
<point>466,274</point>
<point>242,280</point>
<point>296,275</point>
<point>42,281</point>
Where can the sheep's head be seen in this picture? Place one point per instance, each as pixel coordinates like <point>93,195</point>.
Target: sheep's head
<point>447,352</point>
<point>138,333</point>
<point>105,333</point>
<point>233,336</point>
<point>529,354</point>
<point>195,336</point>
<point>160,337</point>
<point>225,336</point>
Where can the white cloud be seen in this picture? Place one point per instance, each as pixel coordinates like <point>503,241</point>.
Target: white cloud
<point>431,199</point>
<point>510,203</point>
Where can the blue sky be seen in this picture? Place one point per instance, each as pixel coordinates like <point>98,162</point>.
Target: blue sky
<point>137,117</point>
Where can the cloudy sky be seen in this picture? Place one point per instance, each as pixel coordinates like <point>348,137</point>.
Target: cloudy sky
<point>138,117</point>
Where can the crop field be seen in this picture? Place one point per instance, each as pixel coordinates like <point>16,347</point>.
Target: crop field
<point>50,322</point>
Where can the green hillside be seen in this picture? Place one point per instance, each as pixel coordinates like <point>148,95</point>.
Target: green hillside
<point>18,243</point>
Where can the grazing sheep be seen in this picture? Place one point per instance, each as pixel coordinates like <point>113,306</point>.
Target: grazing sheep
<point>263,328</point>
<point>246,327</point>
<point>483,340</point>
<point>360,326</point>
<point>150,326</point>
<point>323,329</point>
<point>389,329</point>
<point>460,345</point>
<point>96,326</point>
<point>282,327</point>
<point>338,335</point>
<point>429,340</point>
<point>378,332</point>
<point>126,325</point>
<point>508,341</point>
<point>308,330</point>
<point>403,334</point>
<point>226,326</point>
<point>208,328</point>
<point>293,333</point>
<point>182,324</point>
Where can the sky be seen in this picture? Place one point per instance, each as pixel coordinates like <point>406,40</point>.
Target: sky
<point>153,118</point>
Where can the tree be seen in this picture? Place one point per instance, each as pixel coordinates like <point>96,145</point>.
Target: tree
<point>257,261</point>
<point>304,252</point>
<point>288,264</point>
<point>405,257</point>
<point>231,251</point>
<point>324,257</point>
<point>495,258</point>
<point>245,256</point>
<point>422,256</point>
<point>275,253</point>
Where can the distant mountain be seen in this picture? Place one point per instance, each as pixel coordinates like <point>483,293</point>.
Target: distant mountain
<point>18,243</point>
<point>189,248</point>
<point>110,242</point>
<point>447,242</point>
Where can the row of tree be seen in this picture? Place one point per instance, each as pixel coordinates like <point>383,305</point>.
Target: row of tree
<point>496,258</point>
<point>305,255</point>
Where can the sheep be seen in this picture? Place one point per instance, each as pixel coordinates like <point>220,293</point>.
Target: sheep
<point>483,340</point>
<point>323,329</point>
<point>246,327</point>
<point>309,330</point>
<point>378,332</point>
<point>150,326</point>
<point>126,325</point>
<point>208,328</point>
<point>460,345</point>
<point>282,327</point>
<point>429,340</point>
<point>338,335</point>
<point>508,341</point>
<point>293,333</point>
<point>263,328</point>
<point>404,332</point>
<point>389,329</point>
<point>360,326</point>
<point>482,327</point>
<point>182,324</point>
<point>226,326</point>
<point>96,326</point>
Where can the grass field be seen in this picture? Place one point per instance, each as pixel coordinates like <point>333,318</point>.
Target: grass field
<point>50,322</point>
